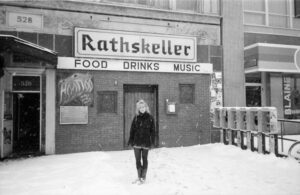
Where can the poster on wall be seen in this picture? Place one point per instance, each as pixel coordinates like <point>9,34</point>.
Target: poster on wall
<point>73,114</point>
<point>8,118</point>
<point>291,97</point>
<point>216,95</point>
<point>75,89</point>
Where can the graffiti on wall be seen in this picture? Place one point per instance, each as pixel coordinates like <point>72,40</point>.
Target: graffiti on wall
<point>76,90</point>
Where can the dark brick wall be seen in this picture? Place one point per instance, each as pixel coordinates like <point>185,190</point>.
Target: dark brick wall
<point>46,40</point>
<point>104,131</point>
<point>31,37</point>
<point>63,45</point>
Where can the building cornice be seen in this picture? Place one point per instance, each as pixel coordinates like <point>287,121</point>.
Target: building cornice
<point>117,10</point>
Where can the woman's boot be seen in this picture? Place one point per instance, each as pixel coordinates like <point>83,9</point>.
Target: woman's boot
<point>139,170</point>
<point>144,173</point>
<point>139,173</point>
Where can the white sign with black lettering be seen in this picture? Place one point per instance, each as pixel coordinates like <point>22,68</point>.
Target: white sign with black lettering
<point>129,45</point>
<point>25,20</point>
<point>132,65</point>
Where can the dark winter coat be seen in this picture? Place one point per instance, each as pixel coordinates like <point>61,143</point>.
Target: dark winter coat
<point>142,131</point>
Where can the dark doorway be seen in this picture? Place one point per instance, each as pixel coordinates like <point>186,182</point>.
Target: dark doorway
<point>133,93</point>
<point>253,96</point>
<point>26,136</point>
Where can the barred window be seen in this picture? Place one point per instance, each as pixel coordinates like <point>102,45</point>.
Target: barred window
<point>107,102</point>
<point>187,93</point>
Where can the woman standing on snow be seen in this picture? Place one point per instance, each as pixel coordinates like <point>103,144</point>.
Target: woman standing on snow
<point>142,138</point>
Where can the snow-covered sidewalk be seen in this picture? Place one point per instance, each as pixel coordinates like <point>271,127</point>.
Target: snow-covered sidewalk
<point>201,169</point>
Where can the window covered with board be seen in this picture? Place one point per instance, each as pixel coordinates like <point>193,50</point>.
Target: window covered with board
<point>107,102</point>
<point>253,89</point>
<point>187,93</point>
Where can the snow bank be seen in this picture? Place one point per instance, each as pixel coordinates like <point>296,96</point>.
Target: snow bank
<point>201,169</point>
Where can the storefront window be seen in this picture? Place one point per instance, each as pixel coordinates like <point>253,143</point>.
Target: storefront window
<point>253,89</point>
<point>291,96</point>
<point>253,96</point>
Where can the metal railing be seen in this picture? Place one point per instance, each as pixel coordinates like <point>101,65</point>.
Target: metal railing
<point>282,132</point>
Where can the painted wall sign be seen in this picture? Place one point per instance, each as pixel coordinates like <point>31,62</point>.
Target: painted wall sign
<point>287,105</point>
<point>291,98</point>
<point>130,65</point>
<point>128,45</point>
<point>25,20</point>
<point>75,89</point>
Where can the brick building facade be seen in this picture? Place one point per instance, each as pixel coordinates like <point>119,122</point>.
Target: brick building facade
<point>103,123</point>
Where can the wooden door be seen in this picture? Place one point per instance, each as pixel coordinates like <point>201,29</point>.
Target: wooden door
<point>133,93</point>
<point>26,136</point>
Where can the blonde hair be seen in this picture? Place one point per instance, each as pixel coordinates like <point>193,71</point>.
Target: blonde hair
<point>139,104</point>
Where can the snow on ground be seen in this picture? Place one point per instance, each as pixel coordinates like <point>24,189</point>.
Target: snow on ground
<point>201,169</point>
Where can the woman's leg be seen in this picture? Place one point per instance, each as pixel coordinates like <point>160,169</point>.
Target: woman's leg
<point>137,154</point>
<point>145,158</point>
<point>145,163</point>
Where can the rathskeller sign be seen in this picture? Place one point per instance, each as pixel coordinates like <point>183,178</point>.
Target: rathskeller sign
<point>129,45</point>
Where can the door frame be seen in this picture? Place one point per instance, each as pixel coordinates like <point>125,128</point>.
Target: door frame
<point>30,73</point>
<point>2,118</point>
<point>155,89</point>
